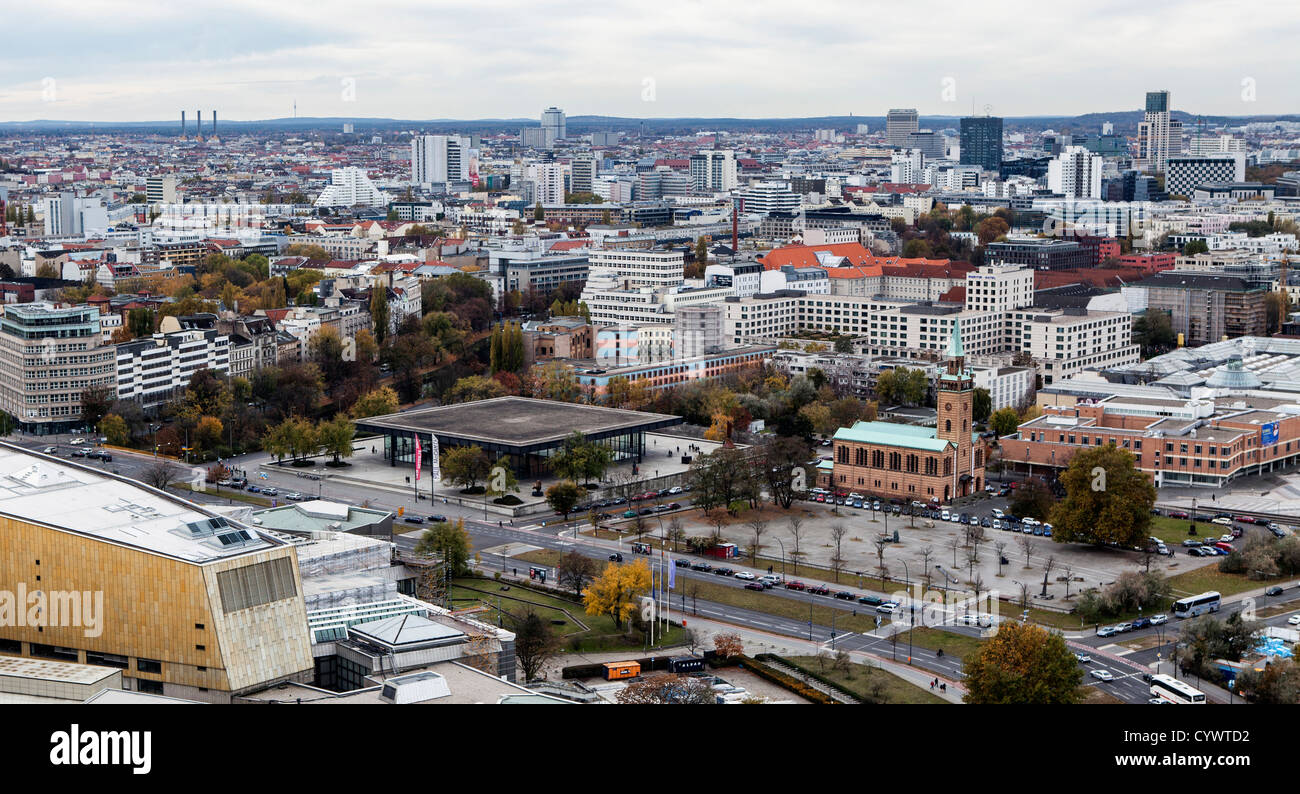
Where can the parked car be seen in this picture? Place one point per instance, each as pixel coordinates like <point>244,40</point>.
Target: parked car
<point>844,595</point>
<point>1141,623</point>
<point>870,600</point>
<point>1227,522</point>
<point>616,557</point>
<point>50,450</point>
<point>702,566</point>
<point>746,575</point>
<point>770,579</point>
<point>1246,519</point>
<point>755,586</point>
<point>1102,675</point>
<point>819,589</point>
<point>998,513</point>
<point>413,520</point>
<point>1123,627</point>
<point>629,514</point>
<point>78,453</point>
<point>1177,514</point>
<point>294,497</point>
<point>1273,591</point>
<point>1159,620</point>
<point>723,571</point>
<point>887,608</point>
<point>682,563</point>
<point>437,519</point>
<point>1106,631</point>
<point>1190,543</point>
<point>254,489</point>
<point>271,491</point>
<point>795,585</point>
<point>1294,620</point>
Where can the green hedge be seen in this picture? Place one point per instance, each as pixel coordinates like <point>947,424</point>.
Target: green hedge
<point>814,675</point>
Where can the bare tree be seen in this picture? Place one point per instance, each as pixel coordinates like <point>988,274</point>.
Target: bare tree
<point>955,544</point>
<point>757,527</point>
<point>1028,546</point>
<point>1024,594</point>
<point>881,545</point>
<point>927,554</point>
<point>837,537</point>
<point>718,522</point>
<point>844,663</point>
<point>971,559</point>
<point>1000,547</point>
<point>676,532</point>
<point>977,584</point>
<point>1068,570</point>
<point>796,528</point>
<point>1047,570</point>
<point>160,474</point>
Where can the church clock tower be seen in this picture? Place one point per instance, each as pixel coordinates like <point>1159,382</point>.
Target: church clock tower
<point>956,402</point>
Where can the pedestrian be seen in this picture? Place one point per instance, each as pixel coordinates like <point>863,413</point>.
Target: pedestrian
<point>932,685</point>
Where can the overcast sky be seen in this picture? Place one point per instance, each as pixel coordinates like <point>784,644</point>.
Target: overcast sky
<point>146,61</point>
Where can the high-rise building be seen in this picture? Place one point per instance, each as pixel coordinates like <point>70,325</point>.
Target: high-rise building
<point>698,329</point>
<point>1159,135</point>
<point>713,169</point>
<point>981,142</point>
<point>905,167</point>
<point>898,123</point>
<point>765,197</point>
<point>582,173</point>
<point>928,142</point>
<point>439,158</point>
<point>548,183</point>
<point>553,125</point>
<point>1075,173</point>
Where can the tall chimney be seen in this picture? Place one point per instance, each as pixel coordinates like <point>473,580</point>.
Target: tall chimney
<point>198,128</point>
<point>214,123</point>
<point>182,125</point>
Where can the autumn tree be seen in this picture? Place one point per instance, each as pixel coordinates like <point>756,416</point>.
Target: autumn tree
<point>471,388</point>
<point>1005,421</point>
<point>1107,499</point>
<point>1032,499</point>
<point>563,496</point>
<point>114,428</point>
<point>336,437</point>
<point>615,591</point>
<point>378,402</point>
<point>449,542</point>
<point>668,689</point>
<point>465,466</point>
<point>1022,663</point>
<point>728,645</point>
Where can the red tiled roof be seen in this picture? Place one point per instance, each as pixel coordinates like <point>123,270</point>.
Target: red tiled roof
<point>954,295</point>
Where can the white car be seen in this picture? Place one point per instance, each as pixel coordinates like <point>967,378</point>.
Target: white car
<point>1029,522</point>
<point>1159,620</point>
<point>998,513</point>
<point>997,524</point>
<point>1226,538</point>
<point>77,441</point>
<point>888,608</point>
<point>944,515</point>
<point>1083,657</point>
<point>1101,675</point>
<point>744,575</point>
<point>1222,521</point>
<point>1294,620</point>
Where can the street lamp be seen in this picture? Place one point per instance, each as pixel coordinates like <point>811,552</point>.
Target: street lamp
<point>778,540</point>
<point>911,608</point>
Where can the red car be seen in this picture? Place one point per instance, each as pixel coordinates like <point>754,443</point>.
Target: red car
<point>795,585</point>
<point>1244,519</point>
<point>1177,514</point>
<point>754,586</point>
<point>819,589</point>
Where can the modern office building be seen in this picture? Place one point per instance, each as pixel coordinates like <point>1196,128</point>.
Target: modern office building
<point>1184,174</point>
<point>928,142</point>
<point>698,330</point>
<point>439,159</point>
<point>981,142</point>
<point>582,173</point>
<point>1159,135</point>
<point>713,170</point>
<point>49,357</point>
<point>639,268</point>
<point>765,197</point>
<point>899,123</point>
<point>185,602</point>
<point>160,190</point>
<point>554,126</point>
<point>155,369</point>
<point>1204,307</point>
<point>1040,254</point>
<point>349,187</point>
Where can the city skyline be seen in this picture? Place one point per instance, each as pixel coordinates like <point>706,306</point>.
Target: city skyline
<point>672,61</point>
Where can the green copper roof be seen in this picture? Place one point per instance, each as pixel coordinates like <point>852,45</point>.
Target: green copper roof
<point>955,348</point>
<point>894,435</point>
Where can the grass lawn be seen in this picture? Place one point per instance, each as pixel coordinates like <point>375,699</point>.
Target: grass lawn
<point>582,633</point>
<point>895,689</point>
<point>953,644</point>
<point>1173,531</point>
<point>1092,694</point>
<point>1209,577</point>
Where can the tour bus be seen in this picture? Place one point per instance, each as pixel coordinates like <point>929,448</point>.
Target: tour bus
<point>1172,690</point>
<point>1197,605</point>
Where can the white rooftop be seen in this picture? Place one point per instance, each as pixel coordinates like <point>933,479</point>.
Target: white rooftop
<point>44,490</point>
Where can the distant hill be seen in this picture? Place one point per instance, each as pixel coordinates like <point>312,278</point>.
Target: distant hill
<point>1125,121</point>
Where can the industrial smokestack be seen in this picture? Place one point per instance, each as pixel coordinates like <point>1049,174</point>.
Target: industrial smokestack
<point>214,123</point>
<point>182,125</point>
<point>198,128</point>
